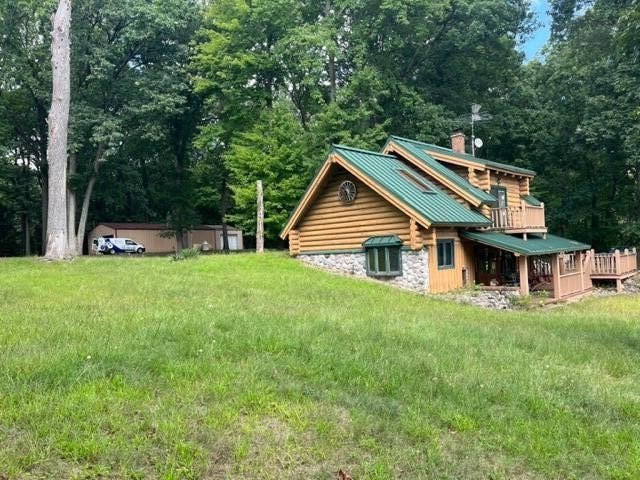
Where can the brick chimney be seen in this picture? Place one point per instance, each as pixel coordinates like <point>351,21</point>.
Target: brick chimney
<point>457,141</point>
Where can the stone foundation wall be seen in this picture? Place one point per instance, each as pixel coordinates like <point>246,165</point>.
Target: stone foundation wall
<point>415,267</point>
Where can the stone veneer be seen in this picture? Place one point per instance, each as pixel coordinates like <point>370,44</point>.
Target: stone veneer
<point>415,267</point>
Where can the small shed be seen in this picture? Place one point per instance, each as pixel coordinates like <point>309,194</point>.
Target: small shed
<point>152,235</point>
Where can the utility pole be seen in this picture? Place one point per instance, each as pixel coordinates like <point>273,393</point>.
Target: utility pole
<point>260,220</point>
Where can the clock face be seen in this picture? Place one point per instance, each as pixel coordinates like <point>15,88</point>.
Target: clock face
<point>347,192</point>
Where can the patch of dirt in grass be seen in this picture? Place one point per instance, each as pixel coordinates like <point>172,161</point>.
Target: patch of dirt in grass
<point>272,448</point>
<point>462,458</point>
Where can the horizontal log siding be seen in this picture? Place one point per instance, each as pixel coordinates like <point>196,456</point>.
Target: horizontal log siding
<point>331,225</point>
<point>449,279</point>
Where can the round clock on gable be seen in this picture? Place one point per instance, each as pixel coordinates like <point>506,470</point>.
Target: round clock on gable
<point>347,192</point>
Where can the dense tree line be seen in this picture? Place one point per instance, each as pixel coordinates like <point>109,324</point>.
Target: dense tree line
<point>179,106</point>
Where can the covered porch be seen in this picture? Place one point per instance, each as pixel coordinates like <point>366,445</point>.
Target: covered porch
<point>557,265</point>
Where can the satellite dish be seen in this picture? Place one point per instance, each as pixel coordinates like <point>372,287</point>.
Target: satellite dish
<point>478,142</point>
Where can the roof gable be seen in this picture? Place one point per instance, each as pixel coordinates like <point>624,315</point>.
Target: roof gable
<point>395,182</point>
<point>395,178</point>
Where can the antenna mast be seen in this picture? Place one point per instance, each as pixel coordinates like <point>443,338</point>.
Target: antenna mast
<point>475,116</point>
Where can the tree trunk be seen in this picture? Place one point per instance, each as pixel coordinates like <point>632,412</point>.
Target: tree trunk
<point>331,67</point>
<point>260,220</point>
<point>27,235</point>
<point>45,206</point>
<point>71,211</point>
<point>86,200</point>
<point>223,210</point>
<point>225,236</point>
<point>332,78</point>
<point>58,130</point>
<point>84,213</point>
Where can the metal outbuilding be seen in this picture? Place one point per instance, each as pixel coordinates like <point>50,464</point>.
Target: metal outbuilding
<point>153,235</point>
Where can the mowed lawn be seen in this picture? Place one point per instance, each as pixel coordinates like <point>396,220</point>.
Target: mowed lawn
<point>256,367</point>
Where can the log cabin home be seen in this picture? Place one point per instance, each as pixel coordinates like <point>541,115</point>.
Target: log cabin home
<point>433,219</point>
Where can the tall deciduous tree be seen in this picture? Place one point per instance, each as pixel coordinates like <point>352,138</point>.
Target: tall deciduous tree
<point>354,71</point>
<point>57,242</point>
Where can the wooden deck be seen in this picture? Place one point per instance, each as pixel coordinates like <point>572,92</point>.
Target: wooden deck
<point>522,219</point>
<point>614,266</point>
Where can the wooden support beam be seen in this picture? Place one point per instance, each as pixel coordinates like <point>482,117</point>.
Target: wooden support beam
<point>555,271</point>
<point>523,267</point>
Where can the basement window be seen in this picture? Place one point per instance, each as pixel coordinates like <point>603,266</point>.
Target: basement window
<point>383,256</point>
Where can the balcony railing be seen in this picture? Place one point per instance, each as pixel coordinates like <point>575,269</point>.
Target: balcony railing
<point>525,217</point>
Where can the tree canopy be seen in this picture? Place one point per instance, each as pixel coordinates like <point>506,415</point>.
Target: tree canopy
<point>179,106</point>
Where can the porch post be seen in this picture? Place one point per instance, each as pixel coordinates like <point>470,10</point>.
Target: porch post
<point>555,270</point>
<point>523,267</point>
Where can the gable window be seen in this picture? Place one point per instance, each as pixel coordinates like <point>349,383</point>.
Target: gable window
<point>500,193</point>
<point>383,256</point>
<point>445,254</point>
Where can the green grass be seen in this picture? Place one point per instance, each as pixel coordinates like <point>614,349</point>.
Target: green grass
<point>258,367</point>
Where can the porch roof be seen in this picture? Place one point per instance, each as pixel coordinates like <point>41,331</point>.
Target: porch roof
<point>531,200</point>
<point>535,245</point>
<point>383,241</point>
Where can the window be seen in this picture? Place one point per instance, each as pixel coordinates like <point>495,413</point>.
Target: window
<point>130,242</point>
<point>383,256</point>
<point>501,195</point>
<point>445,254</point>
<point>384,261</point>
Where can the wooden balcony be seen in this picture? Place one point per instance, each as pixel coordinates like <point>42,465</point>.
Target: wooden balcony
<point>614,266</point>
<point>523,219</point>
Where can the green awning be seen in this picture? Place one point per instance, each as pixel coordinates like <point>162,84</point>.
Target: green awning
<point>383,241</point>
<point>534,245</point>
<point>531,200</point>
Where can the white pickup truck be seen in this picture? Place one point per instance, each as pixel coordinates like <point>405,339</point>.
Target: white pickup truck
<point>113,245</point>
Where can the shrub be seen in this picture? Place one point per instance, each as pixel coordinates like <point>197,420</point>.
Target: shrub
<point>185,254</point>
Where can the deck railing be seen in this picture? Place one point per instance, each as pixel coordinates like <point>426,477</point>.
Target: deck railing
<point>615,264</point>
<point>518,218</point>
<point>573,274</point>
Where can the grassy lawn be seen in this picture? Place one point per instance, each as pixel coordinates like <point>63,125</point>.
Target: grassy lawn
<point>258,367</point>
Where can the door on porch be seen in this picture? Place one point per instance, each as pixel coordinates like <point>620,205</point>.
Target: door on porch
<point>501,195</point>
<point>495,267</point>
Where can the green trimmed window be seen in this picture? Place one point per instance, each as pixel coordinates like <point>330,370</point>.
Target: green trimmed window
<point>383,256</point>
<point>445,254</point>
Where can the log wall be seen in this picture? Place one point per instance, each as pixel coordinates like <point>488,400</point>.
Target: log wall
<point>331,225</point>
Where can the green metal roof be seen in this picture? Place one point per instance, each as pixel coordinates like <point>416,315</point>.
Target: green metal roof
<point>531,200</point>
<point>535,245</point>
<point>417,149</point>
<point>383,241</point>
<point>391,174</point>
<point>471,158</point>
